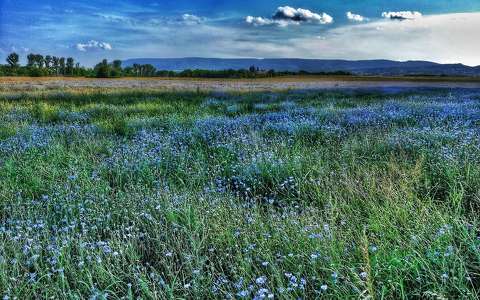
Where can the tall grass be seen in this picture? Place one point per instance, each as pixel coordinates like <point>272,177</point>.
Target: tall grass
<point>158,195</point>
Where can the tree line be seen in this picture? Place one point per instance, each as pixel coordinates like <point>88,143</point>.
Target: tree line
<point>114,69</point>
<point>39,65</point>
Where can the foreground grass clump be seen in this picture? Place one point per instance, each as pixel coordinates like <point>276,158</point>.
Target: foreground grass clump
<point>156,195</point>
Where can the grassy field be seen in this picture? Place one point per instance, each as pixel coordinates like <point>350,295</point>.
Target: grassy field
<point>161,195</point>
<point>281,83</point>
<point>13,79</point>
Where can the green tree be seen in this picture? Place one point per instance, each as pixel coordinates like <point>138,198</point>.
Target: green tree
<point>39,60</point>
<point>48,61</point>
<point>55,65</point>
<point>116,70</point>
<point>76,70</point>
<point>30,60</point>
<point>117,64</point>
<point>12,60</point>
<point>136,69</point>
<point>128,71</point>
<point>69,66</point>
<point>149,70</point>
<point>48,64</point>
<point>61,63</point>
<point>102,70</point>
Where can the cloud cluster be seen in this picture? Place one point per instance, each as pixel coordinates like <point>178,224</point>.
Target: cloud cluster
<point>402,15</point>
<point>93,45</point>
<point>286,15</point>
<point>301,15</point>
<point>447,37</point>
<point>355,17</point>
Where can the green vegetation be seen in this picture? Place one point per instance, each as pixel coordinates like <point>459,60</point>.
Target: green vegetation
<point>251,73</point>
<point>38,65</point>
<point>160,195</point>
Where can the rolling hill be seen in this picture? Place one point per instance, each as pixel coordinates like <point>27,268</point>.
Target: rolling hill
<point>359,67</point>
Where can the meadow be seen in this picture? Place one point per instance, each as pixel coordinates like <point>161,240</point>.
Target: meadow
<point>138,193</point>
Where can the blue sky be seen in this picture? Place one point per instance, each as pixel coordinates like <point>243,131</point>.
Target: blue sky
<point>437,30</point>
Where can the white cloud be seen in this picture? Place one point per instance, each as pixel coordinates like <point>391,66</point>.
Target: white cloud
<point>355,17</point>
<point>301,15</point>
<point>258,21</point>
<point>286,15</point>
<point>448,38</point>
<point>192,19</point>
<point>402,15</point>
<point>114,18</point>
<point>92,45</point>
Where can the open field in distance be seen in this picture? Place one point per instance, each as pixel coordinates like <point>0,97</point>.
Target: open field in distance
<point>277,83</point>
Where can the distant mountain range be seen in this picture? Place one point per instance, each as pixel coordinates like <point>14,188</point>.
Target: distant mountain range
<point>359,67</point>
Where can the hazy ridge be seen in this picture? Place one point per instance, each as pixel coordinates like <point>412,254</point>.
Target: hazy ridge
<point>361,67</point>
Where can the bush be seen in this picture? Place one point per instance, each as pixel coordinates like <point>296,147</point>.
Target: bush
<point>37,72</point>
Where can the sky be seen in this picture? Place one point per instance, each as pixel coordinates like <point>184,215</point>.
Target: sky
<point>444,31</point>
